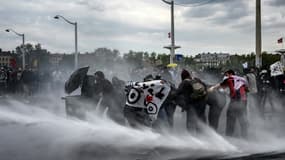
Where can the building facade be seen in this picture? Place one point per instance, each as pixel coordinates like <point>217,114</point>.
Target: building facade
<point>7,59</point>
<point>55,59</point>
<point>212,59</point>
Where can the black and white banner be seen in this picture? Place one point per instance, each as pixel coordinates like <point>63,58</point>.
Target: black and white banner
<point>148,95</point>
<point>276,69</point>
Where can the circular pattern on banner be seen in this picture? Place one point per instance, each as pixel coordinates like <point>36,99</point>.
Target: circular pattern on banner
<point>151,108</point>
<point>134,96</point>
<point>3,76</point>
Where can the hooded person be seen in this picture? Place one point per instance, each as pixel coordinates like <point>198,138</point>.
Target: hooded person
<point>87,86</point>
<point>104,87</point>
<point>194,94</point>
<point>119,86</point>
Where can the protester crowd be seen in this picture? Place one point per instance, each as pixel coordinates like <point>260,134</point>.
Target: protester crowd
<point>170,90</point>
<point>151,97</point>
<point>29,82</point>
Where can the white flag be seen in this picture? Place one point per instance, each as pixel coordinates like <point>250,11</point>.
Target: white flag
<point>245,65</point>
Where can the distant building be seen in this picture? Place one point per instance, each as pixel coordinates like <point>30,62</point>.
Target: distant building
<point>7,58</point>
<point>38,59</point>
<point>212,59</point>
<point>55,59</point>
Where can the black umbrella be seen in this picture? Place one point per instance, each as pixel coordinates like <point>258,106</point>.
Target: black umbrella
<point>75,79</point>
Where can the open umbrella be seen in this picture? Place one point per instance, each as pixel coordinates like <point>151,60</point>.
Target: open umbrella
<point>75,79</point>
<point>171,65</point>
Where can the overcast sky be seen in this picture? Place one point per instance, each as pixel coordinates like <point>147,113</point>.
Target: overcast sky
<point>142,25</point>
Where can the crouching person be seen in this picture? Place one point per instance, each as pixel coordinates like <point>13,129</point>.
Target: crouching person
<point>144,100</point>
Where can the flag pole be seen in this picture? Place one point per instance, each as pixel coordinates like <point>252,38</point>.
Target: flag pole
<point>282,43</point>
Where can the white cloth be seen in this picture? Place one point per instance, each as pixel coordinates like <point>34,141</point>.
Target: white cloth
<point>238,81</point>
<point>148,95</point>
<point>276,69</point>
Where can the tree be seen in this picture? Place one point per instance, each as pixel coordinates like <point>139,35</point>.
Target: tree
<point>164,58</point>
<point>134,58</point>
<point>38,47</point>
<point>153,57</point>
<point>145,56</point>
<point>268,59</point>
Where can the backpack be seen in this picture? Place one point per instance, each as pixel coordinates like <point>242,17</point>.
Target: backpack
<point>199,90</point>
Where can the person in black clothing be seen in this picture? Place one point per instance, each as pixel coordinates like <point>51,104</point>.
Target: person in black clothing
<point>12,84</point>
<point>166,112</point>
<point>103,86</point>
<point>3,81</point>
<point>169,105</point>
<point>106,89</point>
<point>195,95</point>
<point>87,88</point>
<point>27,79</point>
<point>217,101</point>
<point>119,86</point>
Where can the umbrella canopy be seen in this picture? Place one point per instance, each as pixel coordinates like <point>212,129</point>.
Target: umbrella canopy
<point>75,79</point>
<point>172,65</point>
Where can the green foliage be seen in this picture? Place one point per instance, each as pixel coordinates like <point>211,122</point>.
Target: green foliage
<point>153,57</point>
<point>268,59</point>
<point>35,56</point>
<point>164,58</point>
<point>134,58</point>
<point>102,57</point>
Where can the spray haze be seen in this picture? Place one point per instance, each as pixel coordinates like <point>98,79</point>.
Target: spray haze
<point>42,131</point>
<point>38,127</point>
<point>30,132</point>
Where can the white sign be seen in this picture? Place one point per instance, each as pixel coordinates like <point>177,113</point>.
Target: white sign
<point>245,65</point>
<point>276,69</point>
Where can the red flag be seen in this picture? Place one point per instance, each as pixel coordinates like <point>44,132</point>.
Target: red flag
<point>280,40</point>
<point>169,35</point>
<point>13,63</point>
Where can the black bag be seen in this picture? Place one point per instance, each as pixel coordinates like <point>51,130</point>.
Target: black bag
<point>199,90</point>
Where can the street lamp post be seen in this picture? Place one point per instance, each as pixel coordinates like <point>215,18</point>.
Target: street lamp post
<point>258,45</point>
<point>75,29</point>
<point>172,47</point>
<point>23,45</point>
